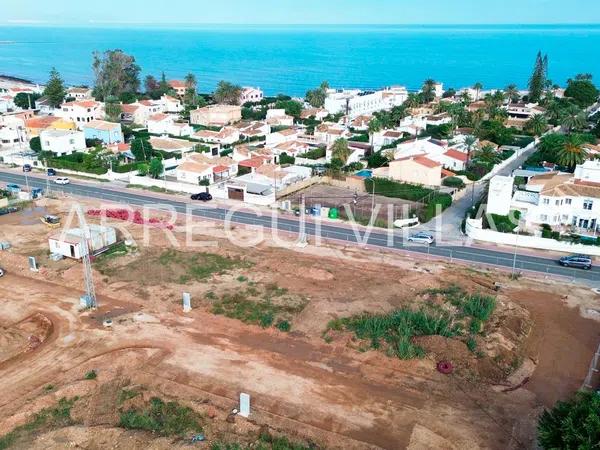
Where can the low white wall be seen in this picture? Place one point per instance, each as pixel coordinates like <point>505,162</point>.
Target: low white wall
<point>170,185</point>
<point>474,229</point>
<point>310,162</point>
<point>498,167</point>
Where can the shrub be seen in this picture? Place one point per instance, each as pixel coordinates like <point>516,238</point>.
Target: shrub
<point>479,307</point>
<point>283,325</point>
<point>91,375</point>
<point>284,158</point>
<point>316,153</point>
<point>472,344</point>
<point>574,424</point>
<point>453,182</point>
<point>165,419</point>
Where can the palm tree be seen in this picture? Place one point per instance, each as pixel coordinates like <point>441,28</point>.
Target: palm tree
<point>374,127</point>
<point>227,93</point>
<point>340,150</point>
<point>478,87</point>
<point>487,154</point>
<point>572,152</point>
<point>512,92</point>
<point>537,124</point>
<point>469,143</point>
<point>190,81</point>
<point>428,90</point>
<point>465,98</point>
<point>574,118</point>
<point>412,101</point>
<point>554,111</point>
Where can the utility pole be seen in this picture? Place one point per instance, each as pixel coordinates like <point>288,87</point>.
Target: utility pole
<point>373,197</point>
<point>514,267</point>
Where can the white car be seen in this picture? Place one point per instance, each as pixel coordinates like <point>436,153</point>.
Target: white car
<point>421,238</point>
<point>62,180</point>
<point>1,273</point>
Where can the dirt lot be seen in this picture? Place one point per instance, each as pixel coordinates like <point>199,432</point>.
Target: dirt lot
<point>258,325</point>
<point>334,196</point>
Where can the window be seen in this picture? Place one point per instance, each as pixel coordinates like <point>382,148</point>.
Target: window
<point>568,201</point>
<point>587,204</point>
<point>546,201</point>
<point>557,202</point>
<point>71,141</point>
<point>544,218</point>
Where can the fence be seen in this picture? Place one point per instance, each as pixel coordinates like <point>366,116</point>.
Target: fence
<point>474,230</point>
<point>592,380</point>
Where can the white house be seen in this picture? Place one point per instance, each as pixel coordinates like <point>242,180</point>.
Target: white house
<point>279,137</point>
<point>454,158</point>
<point>62,142</point>
<point>566,202</point>
<point>197,167</point>
<point>171,104</point>
<point>251,94</point>
<point>386,137</point>
<point>172,145</point>
<point>165,124</point>
<point>355,102</point>
<point>226,136</point>
<point>328,133</point>
<point>81,112</point>
<point>278,118</point>
<point>79,93</point>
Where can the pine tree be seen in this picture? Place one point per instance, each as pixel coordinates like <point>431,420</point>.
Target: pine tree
<point>55,89</point>
<point>537,82</point>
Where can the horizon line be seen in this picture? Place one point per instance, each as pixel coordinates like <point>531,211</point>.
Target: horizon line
<point>33,23</point>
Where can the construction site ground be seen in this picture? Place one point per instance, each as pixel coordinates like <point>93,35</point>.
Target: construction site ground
<point>313,390</point>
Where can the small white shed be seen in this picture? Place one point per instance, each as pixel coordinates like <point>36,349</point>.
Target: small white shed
<point>68,242</point>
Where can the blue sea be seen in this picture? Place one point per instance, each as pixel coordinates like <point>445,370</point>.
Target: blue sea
<point>292,59</point>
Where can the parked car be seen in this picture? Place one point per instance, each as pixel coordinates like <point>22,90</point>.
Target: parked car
<point>13,188</point>
<point>1,272</point>
<point>578,261</point>
<point>51,172</point>
<point>62,180</point>
<point>204,196</point>
<point>27,168</point>
<point>421,238</point>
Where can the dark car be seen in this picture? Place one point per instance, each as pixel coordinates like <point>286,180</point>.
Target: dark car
<point>578,261</point>
<point>51,172</point>
<point>27,168</point>
<point>204,196</point>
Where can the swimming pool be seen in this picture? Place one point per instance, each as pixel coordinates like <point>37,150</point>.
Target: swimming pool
<point>365,173</point>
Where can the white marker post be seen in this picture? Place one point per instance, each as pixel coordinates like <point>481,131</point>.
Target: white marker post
<point>187,302</point>
<point>244,405</point>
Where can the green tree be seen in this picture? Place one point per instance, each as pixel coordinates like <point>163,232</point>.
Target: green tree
<point>142,169</point>
<point>512,93</point>
<point>413,100</point>
<point>25,100</point>
<point>469,143</point>
<point>477,87</point>
<point>35,144</point>
<point>572,151</point>
<point>487,154</point>
<point>190,98</point>
<point>582,90</point>
<point>115,72</point>
<point>112,109</point>
<point>340,151</point>
<point>573,118</point>
<point>141,149</point>
<point>316,97</point>
<point>428,90</point>
<point>374,127</point>
<point>227,93</point>
<point>55,89</point>
<point>150,84</point>
<point>572,425</point>
<point>156,167</point>
<point>291,107</point>
<point>537,82</point>
<point>537,125</point>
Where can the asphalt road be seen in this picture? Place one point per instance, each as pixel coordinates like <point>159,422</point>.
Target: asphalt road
<point>377,238</point>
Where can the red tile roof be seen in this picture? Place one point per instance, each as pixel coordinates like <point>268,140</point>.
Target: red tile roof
<point>455,154</point>
<point>424,161</point>
<point>219,169</point>
<point>252,162</point>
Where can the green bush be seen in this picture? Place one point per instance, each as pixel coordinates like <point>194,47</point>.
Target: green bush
<point>91,375</point>
<point>165,419</point>
<point>124,168</point>
<point>316,153</point>
<point>284,158</point>
<point>479,307</point>
<point>574,424</point>
<point>503,224</point>
<point>284,325</point>
<point>453,182</point>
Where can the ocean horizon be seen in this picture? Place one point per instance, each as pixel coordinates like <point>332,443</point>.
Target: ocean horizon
<point>293,58</point>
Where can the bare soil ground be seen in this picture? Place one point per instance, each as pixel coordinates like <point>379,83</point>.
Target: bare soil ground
<point>536,348</point>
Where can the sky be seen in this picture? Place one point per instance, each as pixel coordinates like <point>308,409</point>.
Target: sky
<point>78,12</point>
